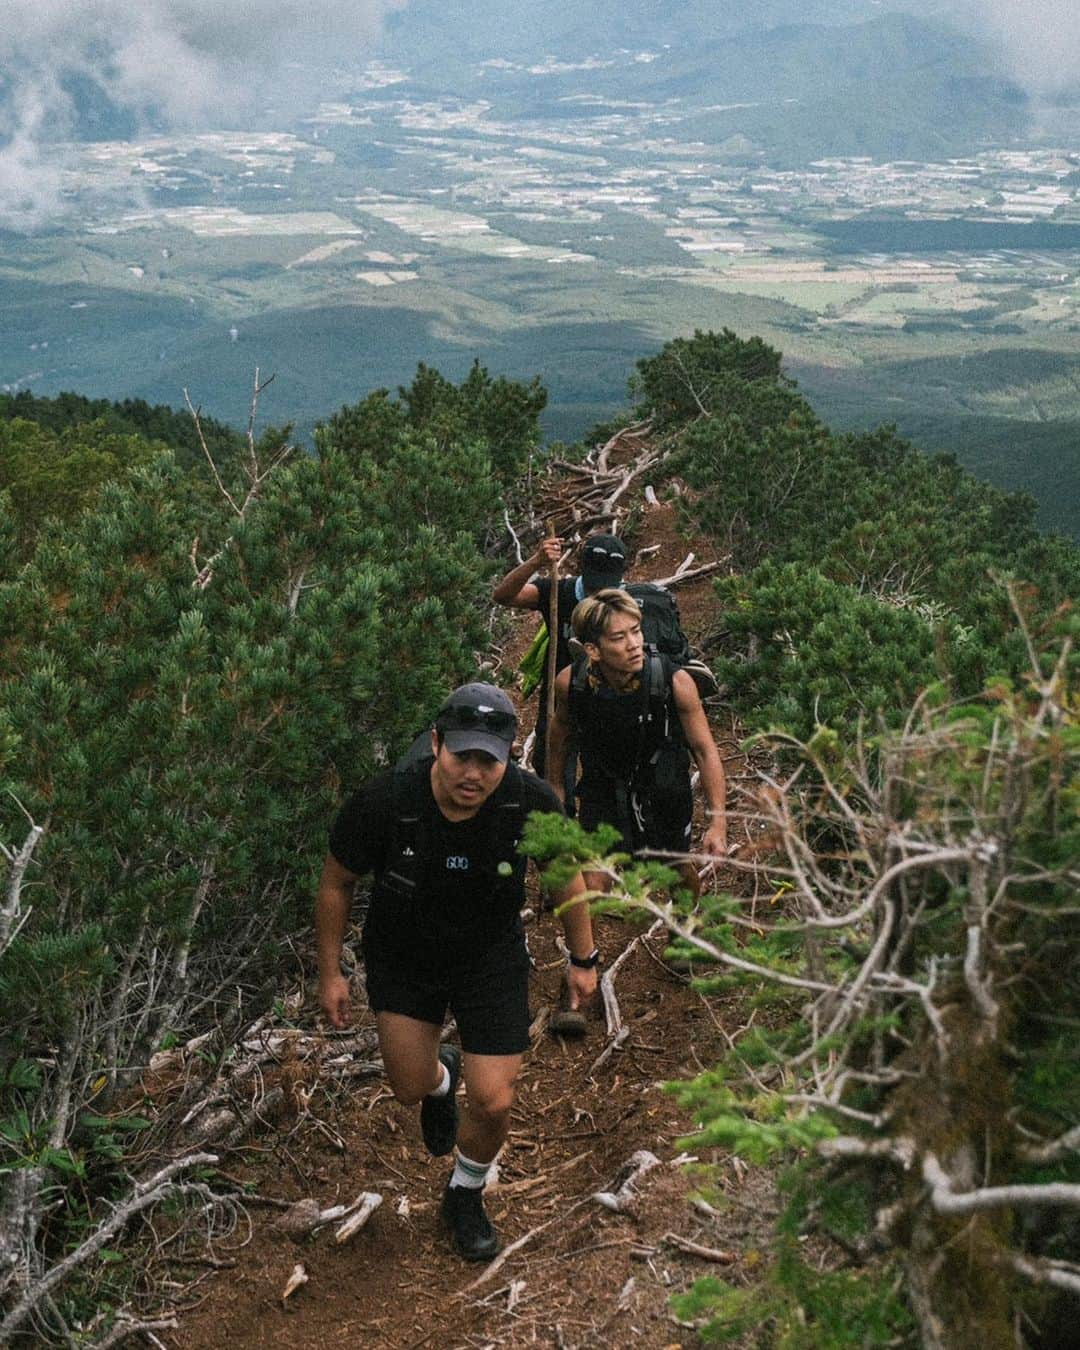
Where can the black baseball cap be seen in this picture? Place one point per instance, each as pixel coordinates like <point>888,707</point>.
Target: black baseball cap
<point>478,717</point>
<point>603,561</point>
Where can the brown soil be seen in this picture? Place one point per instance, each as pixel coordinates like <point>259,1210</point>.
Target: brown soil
<point>585,1276</point>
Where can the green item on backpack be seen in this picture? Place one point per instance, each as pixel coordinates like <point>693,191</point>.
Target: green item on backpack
<point>533,662</point>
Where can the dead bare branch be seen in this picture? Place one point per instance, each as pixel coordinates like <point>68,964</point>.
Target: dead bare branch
<point>620,1198</point>
<point>144,1195</point>
<point>197,419</point>
<point>365,1206</point>
<point>681,578</point>
<point>696,1249</point>
<point>946,1200</point>
<point>12,915</point>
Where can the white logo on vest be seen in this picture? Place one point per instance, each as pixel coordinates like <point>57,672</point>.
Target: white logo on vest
<point>457,863</point>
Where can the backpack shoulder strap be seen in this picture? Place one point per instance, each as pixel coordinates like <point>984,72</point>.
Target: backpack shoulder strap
<point>409,825</point>
<point>509,821</point>
<point>579,684</point>
<point>659,690</point>
<point>661,727</point>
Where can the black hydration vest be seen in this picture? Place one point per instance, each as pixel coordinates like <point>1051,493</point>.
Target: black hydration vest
<point>633,740</point>
<point>406,856</point>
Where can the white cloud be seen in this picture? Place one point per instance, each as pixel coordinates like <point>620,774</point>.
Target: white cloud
<point>190,62</point>
<point>1040,39</point>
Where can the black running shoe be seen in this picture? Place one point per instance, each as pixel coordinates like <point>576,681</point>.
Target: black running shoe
<point>438,1115</point>
<point>471,1230</point>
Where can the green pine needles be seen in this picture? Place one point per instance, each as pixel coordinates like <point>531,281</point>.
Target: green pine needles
<point>915,1059</point>
<point>195,667</point>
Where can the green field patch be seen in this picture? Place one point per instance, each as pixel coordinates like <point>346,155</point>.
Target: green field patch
<point>464,232</point>
<point>230,221</point>
<point>816,296</point>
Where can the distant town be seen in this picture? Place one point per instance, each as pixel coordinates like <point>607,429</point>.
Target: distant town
<point>738,224</point>
<point>556,221</point>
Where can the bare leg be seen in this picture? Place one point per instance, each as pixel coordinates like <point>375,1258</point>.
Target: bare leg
<point>489,1089</point>
<point>410,1050</point>
<point>688,876</point>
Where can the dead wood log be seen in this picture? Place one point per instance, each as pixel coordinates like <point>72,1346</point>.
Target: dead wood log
<point>635,431</point>
<point>296,1280</point>
<point>299,1219</point>
<point>635,471</point>
<point>575,470</point>
<point>619,1200</point>
<point>366,1204</point>
<point>681,578</point>
<point>229,1125</point>
<point>125,1327</point>
<point>696,1249</point>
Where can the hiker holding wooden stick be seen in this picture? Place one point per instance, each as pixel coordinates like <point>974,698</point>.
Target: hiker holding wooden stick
<point>603,561</point>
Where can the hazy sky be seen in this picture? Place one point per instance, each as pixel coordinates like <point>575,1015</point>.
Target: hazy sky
<point>202,63</point>
<point>1040,39</point>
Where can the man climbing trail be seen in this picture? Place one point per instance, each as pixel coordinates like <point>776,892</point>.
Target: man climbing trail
<point>603,564</point>
<point>634,716</point>
<point>444,931</point>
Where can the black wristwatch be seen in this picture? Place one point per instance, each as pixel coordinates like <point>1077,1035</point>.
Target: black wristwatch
<point>589,962</point>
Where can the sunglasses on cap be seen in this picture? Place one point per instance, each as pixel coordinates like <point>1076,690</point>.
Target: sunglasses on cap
<point>502,724</point>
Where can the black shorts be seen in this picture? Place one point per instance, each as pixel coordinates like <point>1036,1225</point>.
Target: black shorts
<point>666,817</point>
<point>488,995</point>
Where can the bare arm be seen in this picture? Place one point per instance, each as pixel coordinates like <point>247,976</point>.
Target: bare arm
<point>560,734</point>
<point>332,906</point>
<point>577,927</point>
<point>516,590</point>
<point>698,736</point>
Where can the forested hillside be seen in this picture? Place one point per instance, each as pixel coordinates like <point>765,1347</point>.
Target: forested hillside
<point>208,638</point>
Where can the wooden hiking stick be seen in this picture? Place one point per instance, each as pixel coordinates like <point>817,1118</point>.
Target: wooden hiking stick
<point>552,651</point>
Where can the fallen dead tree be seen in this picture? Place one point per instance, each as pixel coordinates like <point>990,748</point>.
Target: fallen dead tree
<point>590,495</point>
<point>240,1099</point>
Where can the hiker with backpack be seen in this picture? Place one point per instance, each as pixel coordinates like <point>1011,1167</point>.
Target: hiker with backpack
<point>443,930</point>
<point>603,563</point>
<point>636,719</point>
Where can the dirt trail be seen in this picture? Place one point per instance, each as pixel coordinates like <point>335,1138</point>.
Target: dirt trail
<point>585,1276</point>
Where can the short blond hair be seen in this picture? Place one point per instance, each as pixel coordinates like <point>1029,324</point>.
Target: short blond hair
<point>592,616</point>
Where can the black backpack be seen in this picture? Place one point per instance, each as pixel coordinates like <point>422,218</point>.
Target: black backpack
<point>661,628</point>
<point>660,624</point>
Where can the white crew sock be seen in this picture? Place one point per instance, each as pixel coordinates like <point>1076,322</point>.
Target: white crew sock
<point>444,1082</point>
<point>471,1175</point>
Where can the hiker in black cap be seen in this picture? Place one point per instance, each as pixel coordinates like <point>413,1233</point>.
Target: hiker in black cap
<point>636,720</point>
<point>603,561</point>
<point>444,930</point>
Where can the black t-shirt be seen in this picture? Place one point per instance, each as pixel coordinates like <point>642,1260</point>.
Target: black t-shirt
<point>614,745</point>
<point>460,903</point>
<point>567,601</point>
